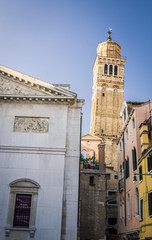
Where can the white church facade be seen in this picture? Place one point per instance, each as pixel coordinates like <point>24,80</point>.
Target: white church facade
<point>39,158</point>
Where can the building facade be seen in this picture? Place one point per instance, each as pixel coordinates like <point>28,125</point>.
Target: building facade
<point>107,97</point>
<point>145,180</point>
<point>98,201</point>
<point>39,158</point>
<point>129,151</point>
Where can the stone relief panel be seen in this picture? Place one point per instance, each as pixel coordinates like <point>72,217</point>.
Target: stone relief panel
<point>31,124</point>
<point>11,87</point>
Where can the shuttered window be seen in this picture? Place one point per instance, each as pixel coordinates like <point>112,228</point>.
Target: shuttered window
<point>22,210</point>
<point>141,209</point>
<point>134,159</point>
<point>127,167</point>
<point>140,173</point>
<point>149,162</point>
<point>150,203</point>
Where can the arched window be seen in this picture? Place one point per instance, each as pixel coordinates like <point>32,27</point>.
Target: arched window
<point>137,202</point>
<point>110,70</point>
<point>105,69</point>
<point>115,70</point>
<point>128,201</point>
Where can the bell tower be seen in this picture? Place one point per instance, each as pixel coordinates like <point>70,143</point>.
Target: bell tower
<point>108,96</point>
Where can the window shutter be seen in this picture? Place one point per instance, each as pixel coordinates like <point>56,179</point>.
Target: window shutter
<point>127,167</point>
<point>148,162</point>
<point>140,173</point>
<point>133,159</point>
<point>150,203</point>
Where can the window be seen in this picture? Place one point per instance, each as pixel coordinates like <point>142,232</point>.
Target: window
<point>137,202</point>
<point>134,159</point>
<point>123,208</point>
<point>140,173</point>
<point>22,206</point>
<point>120,172</point>
<point>120,210</point>
<point>108,176</point>
<point>141,209</point>
<point>110,70</point>
<point>150,203</point>
<point>112,202</point>
<point>127,167</point>
<point>120,147</point>
<point>112,231</point>
<point>127,135</point>
<point>115,70</point>
<point>133,123</point>
<point>22,210</point>
<point>111,193</point>
<point>105,69</point>
<point>112,221</point>
<point>128,203</point>
<point>92,181</point>
<point>124,114</point>
<point>103,94</point>
<point>149,162</point>
<point>116,176</point>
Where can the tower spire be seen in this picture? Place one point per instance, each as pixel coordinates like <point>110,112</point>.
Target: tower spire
<point>109,34</point>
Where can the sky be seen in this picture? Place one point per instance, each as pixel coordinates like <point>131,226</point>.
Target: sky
<point>56,41</point>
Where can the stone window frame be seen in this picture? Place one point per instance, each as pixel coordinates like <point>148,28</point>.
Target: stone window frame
<point>108,70</point>
<point>22,186</point>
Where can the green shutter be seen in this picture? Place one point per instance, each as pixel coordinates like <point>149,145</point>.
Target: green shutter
<point>133,160</point>
<point>148,162</point>
<point>135,157</point>
<point>140,173</point>
<point>150,203</point>
<point>127,167</point>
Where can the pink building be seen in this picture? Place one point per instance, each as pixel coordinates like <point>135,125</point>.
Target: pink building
<point>129,151</point>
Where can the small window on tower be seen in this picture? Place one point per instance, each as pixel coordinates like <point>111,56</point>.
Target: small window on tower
<point>116,71</point>
<point>103,94</point>
<point>105,69</point>
<point>110,70</point>
<point>92,181</point>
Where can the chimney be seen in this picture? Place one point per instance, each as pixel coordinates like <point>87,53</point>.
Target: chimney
<point>101,154</point>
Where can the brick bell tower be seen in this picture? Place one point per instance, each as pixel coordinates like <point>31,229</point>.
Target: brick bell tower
<point>108,96</point>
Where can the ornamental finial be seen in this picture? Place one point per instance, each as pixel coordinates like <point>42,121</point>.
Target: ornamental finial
<point>109,34</point>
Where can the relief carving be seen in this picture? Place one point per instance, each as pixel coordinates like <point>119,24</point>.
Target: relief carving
<point>9,87</point>
<point>31,124</point>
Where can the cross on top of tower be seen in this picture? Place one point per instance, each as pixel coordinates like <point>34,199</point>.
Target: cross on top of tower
<point>109,34</point>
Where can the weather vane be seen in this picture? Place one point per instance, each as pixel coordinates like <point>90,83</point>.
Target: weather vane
<point>109,34</point>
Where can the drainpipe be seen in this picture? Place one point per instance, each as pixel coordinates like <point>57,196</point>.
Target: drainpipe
<point>124,177</point>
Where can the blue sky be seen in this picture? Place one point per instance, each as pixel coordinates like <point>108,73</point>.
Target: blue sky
<point>56,41</point>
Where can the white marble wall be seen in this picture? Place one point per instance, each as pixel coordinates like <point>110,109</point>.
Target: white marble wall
<point>51,159</point>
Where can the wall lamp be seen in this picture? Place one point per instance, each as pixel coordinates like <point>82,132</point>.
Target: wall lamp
<point>141,174</point>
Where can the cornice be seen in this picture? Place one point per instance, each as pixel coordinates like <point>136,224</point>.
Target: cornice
<point>38,99</point>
